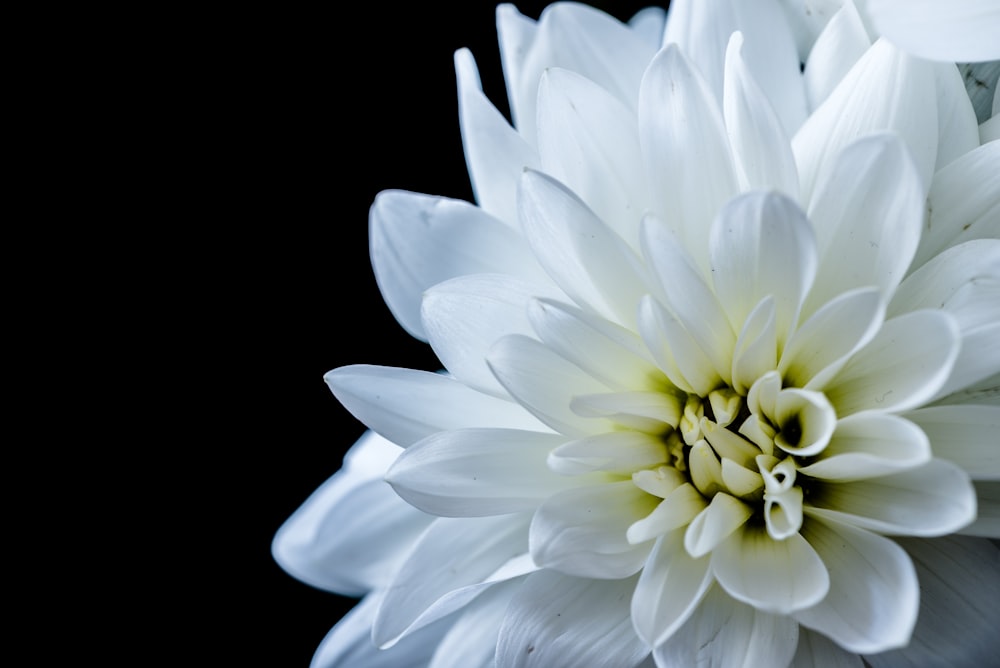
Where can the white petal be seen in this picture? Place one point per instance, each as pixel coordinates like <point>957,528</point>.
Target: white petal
<point>652,412</point>
<point>805,421</point>
<point>964,281</point>
<point>351,534</point>
<point>989,131</point>
<point>985,392</point>
<point>777,576</point>
<point>762,245</point>
<point>868,445</point>
<point>516,34</point>
<point>618,451</point>
<point>885,90</point>
<point>822,346</point>
<point>724,515</point>
<point>494,152</point>
<point>677,509</point>
<point>817,651</point>
<point>964,435</point>
<point>417,241</point>
<point>464,316</point>
<point>932,500</point>
<point>901,368</point>
<point>841,44</point>
<point>761,148</point>
<point>959,616</point>
<point>688,296</point>
<point>582,531</point>
<point>585,257</point>
<point>589,140</point>
<point>476,472</point>
<point>958,128</point>
<point>688,162</point>
<point>676,352</point>
<point>872,602</point>
<point>471,641</point>
<point>987,523</point>
<point>349,643</point>
<point>453,562</point>
<point>545,384</point>
<point>671,586</point>
<point>807,20</point>
<point>964,203</point>
<point>648,23</point>
<point>756,350</point>
<point>867,215</point>
<point>607,351</point>
<point>964,31</point>
<point>559,620</point>
<point>725,633</point>
<point>406,405</point>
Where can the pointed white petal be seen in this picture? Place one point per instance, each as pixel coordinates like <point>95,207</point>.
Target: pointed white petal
<point>349,643</point>
<point>471,642</point>
<point>477,472</point>
<point>648,24</point>
<point>464,317</point>
<point>671,586</point>
<point>559,620</point>
<point>686,150</point>
<point>762,245</point>
<point>589,141</point>
<point>417,241</point>
<point>964,203</point>
<point>675,350</point>
<point>725,633</point>
<point>777,576</point>
<point>617,451</point>
<point>406,405</point>
<point>761,148</point>
<point>807,20</point>
<point>815,650</point>
<point>964,435</point>
<point>822,346</point>
<point>959,617</point>
<point>869,445</point>
<point>756,350</point>
<point>987,523</point>
<point>582,531</point>
<point>585,257</point>
<point>494,152</point>
<point>516,34</point>
<point>677,509</point>
<point>958,128</point>
<point>867,215</point>
<point>351,534</point>
<point>454,561</point>
<point>903,367</point>
<point>931,500</point>
<point>985,392</point>
<point>724,515</point>
<point>545,384</point>
<point>964,31</point>
<point>885,90</point>
<point>964,281</point>
<point>841,44</point>
<point>872,602</point>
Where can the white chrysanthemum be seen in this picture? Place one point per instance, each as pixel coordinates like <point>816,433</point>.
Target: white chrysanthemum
<point>723,367</point>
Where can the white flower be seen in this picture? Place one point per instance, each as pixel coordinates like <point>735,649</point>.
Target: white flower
<point>722,367</point>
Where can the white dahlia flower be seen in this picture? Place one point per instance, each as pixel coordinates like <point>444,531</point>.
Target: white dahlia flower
<point>722,365</point>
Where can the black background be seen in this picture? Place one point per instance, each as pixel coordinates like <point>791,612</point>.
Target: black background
<point>334,109</point>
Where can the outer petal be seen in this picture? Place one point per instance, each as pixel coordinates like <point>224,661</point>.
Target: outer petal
<point>352,532</point>
<point>959,616</point>
<point>725,633</point>
<point>841,44</point>
<point>873,597</point>
<point>964,435</point>
<point>962,31</point>
<point>477,472</point>
<point>471,642</point>
<point>559,620</point>
<point>582,531</point>
<point>815,650</point>
<point>868,445</point>
<point>417,241</point>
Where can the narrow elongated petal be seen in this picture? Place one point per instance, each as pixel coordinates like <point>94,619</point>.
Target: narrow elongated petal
<point>671,586</point>
<point>417,241</point>
<point>964,31</point>
<point>689,167</point>
<point>901,368</point>
<point>867,215</point>
<point>778,576</point>
<point>494,152</point>
<point>677,509</point>
<point>958,128</point>
<point>959,587</point>
<point>618,451</point>
<point>582,531</point>
<point>472,639</point>
<point>724,515</point>
<point>675,350</point>
<point>756,350</point>
<point>964,435</point>
<point>932,500</point>
<point>406,405</point>
<point>868,445</point>
<point>450,564</point>
<point>987,522</point>
<point>477,472</point>
<point>516,34</point>
<point>556,619</point>
<point>585,257</point>
<point>815,650</point>
<point>726,633</point>
<point>841,44</point>
<point>862,614</point>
